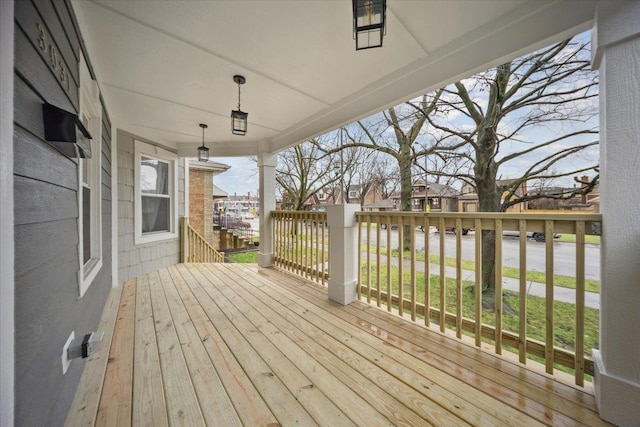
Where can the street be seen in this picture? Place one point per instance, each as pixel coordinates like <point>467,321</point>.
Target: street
<point>564,253</point>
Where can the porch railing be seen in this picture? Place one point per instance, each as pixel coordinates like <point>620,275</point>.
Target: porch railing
<point>301,243</point>
<point>429,281</point>
<point>391,275</point>
<point>194,247</point>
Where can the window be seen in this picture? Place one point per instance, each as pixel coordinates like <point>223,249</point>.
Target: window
<point>89,185</point>
<point>353,194</point>
<point>155,194</point>
<point>321,196</point>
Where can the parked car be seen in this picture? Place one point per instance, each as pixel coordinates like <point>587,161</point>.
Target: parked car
<point>538,237</point>
<point>465,231</point>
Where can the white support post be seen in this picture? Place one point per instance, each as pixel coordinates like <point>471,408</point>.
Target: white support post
<point>267,166</point>
<point>616,54</point>
<point>343,252</point>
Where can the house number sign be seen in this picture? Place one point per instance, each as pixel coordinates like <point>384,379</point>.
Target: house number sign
<point>56,64</point>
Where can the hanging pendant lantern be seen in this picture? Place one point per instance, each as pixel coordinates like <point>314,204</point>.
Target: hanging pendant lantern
<point>369,23</point>
<point>203,151</point>
<point>239,117</point>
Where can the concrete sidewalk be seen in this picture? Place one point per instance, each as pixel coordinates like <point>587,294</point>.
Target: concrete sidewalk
<point>591,299</point>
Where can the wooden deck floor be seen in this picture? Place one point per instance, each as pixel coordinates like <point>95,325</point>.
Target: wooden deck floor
<point>233,344</point>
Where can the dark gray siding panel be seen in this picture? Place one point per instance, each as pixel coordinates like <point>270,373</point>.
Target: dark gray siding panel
<point>47,303</point>
<point>39,201</point>
<point>34,251</point>
<point>39,161</point>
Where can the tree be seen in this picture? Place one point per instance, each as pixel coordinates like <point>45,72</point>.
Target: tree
<point>404,144</point>
<point>301,173</point>
<point>306,169</point>
<point>536,110</point>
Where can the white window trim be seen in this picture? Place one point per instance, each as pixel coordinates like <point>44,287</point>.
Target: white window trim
<point>154,152</point>
<point>91,108</point>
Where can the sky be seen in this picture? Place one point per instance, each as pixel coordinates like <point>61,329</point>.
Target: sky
<point>240,179</point>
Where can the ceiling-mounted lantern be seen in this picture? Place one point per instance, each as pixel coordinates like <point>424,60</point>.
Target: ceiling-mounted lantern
<point>203,151</point>
<point>369,23</point>
<point>239,117</point>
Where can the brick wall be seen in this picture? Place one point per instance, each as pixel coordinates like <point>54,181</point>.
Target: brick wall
<point>136,260</point>
<point>201,202</point>
<point>196,199</point>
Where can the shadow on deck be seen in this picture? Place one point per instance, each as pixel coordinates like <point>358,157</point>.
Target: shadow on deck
<point>235,344</point>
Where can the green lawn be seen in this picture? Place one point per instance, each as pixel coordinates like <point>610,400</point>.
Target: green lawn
<point>245,257</point>
<point>571,238</point>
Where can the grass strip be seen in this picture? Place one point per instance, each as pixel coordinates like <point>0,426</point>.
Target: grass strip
<point>512,272</point>
<point>564,314</point>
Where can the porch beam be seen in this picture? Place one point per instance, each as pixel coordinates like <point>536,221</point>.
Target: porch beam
<point>616,54</point>
<point>267,167</point>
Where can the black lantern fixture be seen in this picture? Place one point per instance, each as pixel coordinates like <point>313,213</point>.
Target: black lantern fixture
<point>203,151</point>
<point>369,23</point>
<point>239,117</point>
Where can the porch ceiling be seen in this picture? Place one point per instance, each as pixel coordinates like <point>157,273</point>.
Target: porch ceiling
<point>166,66</point>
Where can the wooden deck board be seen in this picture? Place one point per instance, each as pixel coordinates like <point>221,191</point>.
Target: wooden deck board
<point>317,404</point>
<point>182,402</point>
<point>547,400</point>
<point>215,405</point>
<point>149,406</point>
<point>246,400</point>
<point>432,394</point>
<point>115,401</point>
<point>232,344</point>
<point>280,401</point>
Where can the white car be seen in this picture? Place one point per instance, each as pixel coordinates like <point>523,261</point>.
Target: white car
<point>248,216</point>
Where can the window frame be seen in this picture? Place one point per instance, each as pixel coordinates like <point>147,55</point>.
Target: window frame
<point>143,149</point>
<point>91,115</point>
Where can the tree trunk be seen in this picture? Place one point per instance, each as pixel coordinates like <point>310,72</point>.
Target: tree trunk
<point>404,161</point>
<point>488,201</point>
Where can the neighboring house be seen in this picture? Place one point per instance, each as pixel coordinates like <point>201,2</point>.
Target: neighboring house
<point>583,202</point>
<point>320,200</point>
<point>355,194</point>
<point>468,199</point>
<point>334,196</point>
<point>440,197</point>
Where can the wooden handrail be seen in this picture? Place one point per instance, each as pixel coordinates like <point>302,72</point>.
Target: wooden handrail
<point>194,247</point>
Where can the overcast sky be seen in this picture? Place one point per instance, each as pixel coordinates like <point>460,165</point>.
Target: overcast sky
<point>240,179</point>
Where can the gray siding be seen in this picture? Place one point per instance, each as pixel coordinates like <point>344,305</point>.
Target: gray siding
<point>47,307</point>
<point>136,260</point>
